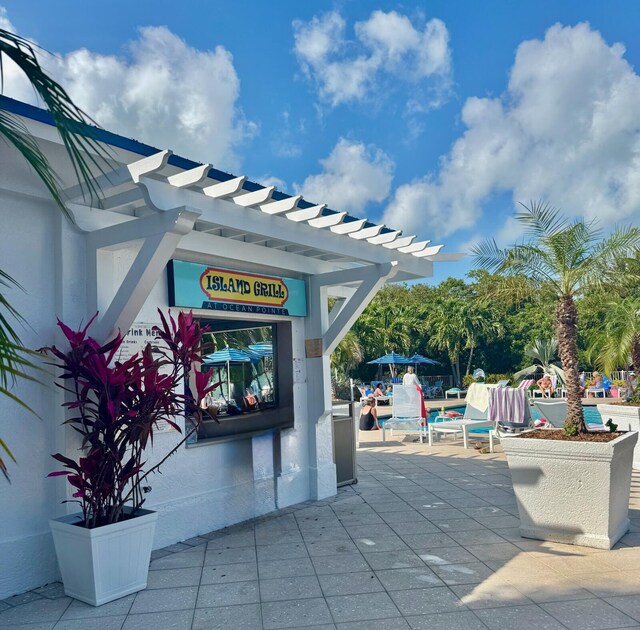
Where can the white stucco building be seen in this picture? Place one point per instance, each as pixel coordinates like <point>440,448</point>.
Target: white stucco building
<point>158,207</point>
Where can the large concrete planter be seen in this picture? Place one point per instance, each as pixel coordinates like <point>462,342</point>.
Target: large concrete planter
<point>106,563</point>
<point>572,492</point>
<point>627,418</point>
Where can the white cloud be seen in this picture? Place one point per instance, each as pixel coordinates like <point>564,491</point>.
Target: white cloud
<point>567,130</point>
<point>271,180</point>
<point>389,50</point>
<point>353,176</point>
<point>5,23</point>
<point>163,92</point>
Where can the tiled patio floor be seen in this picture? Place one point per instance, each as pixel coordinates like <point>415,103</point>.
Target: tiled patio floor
<point>426,539</point>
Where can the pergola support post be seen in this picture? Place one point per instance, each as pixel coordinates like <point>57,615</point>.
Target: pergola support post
<point>323,332</point>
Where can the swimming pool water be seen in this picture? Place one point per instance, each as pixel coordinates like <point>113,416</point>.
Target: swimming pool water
<point>591,413</point>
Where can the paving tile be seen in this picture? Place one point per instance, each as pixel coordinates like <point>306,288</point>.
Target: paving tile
<point>270,537</point>
<point>350,583</point>
<point>159,553</point>
<point>393,560</point>
<point>590,614</point>
<point>414,527</point>
<point>98,623</point>
<point>185,559</point>
<point>414,577</point>
<point>282,552</point>
<point>41,610</point>
<point>47,625</point>
<point>427,601</point>
<point>609,584</point>
<point>328,533</point>
<point>572,565</point>
<point>80,610</point>
<point>380,543</point>
<point>396,623</point>
<point>365,531</point>
<point>241,572</point>
<point>280,589</point>
<point>403,517</point>
<point>231,594</point>
<point>195,541</point>
<point>488,595</point>
<point>4,606</point>
<point>219,556</point>
<point>343,563</point>
<point>172,620</point>
<point>248,617</point>
<point>23,598</point>
<point>463,620</point>
<point>445,555</point>
<point>628,604</point>
<point>497,551</point>
<point>177,547</point>
<point>468,573</point>
<point>428,541</point>
<point>328,548</point>
<point>517,618</point>
<point>456,524</point>
<point>551,589</point>
<point>171,578</point>
<point>362,607</point>
<point>54,590</point>
<point>230,541</point>
<point>285,568</point>
<point>476,537</point>
<point>163,599</point>
<point>295,613</point>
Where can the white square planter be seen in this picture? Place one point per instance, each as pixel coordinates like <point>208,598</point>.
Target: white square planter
<point>106,563</point>
<point>572,492</point>
<point>627,418</point>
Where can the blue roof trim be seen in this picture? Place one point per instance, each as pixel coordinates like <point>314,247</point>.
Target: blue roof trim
<point>134,146</point>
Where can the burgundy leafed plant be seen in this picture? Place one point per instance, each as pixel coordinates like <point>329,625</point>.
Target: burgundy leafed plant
<point>115,406</point>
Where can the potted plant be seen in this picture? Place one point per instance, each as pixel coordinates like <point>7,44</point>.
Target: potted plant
<point>104,551</point>
<point>571,485</point>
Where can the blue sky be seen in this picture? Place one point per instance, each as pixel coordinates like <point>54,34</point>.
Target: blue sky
<point>434,117</point>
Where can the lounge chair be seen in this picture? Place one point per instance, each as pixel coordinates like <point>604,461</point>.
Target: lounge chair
<point>503,383</point>
<point>555,413</point>
<point>454,391</point>
<point>474,418</point>
<point>511,413</point>
<point>436,389</point>
<point>407,411</point>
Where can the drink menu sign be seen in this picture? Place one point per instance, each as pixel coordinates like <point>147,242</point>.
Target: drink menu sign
<point>192,285</point>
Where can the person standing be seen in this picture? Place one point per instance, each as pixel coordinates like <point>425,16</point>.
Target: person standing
<point>410,379</point>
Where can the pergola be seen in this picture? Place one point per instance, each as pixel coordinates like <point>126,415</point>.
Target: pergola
<point>170,207</point>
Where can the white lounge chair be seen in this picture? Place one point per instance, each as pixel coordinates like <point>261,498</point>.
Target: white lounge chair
<point>473,419</point>
<point>407,411</point>
<point>503,383</point>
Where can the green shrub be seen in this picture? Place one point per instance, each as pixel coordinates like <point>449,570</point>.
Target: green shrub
<point>467,380</point>
<point>494,378</point>
<point>618,382</point>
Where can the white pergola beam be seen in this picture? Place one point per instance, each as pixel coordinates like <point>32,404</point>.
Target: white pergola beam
<point>367,232</point>
<point>385,238</point>
<point>414,247</point>
<point>348,227</point>
<point>224,189</point>
<point>192,177</point>
<point>284,205</point>
<point>255,198</point>
<point>149,165</point>
<point>305,214</point>
<point>399,242</point>
<point>122,199</point>
<point>328,221</point>
<point>429,251</point>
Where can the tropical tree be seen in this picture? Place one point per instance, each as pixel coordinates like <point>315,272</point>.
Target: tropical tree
<point>570,257</point>
<point>70,121</point>
<point>445,326</point>
<point>621,335</point>
<point>347,355</point>
<point>543,351</point>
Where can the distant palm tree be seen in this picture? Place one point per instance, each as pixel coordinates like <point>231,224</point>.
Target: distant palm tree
<point>347,355</point>
<point>446,332</point>
<point>70,122</point>
<point>621,335</point>
<point>570,257</point>
<point>543,351</point>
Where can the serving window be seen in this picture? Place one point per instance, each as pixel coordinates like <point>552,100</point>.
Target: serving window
<point>251,363</point>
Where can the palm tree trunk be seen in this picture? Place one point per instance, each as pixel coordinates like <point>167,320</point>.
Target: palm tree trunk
<point>567,333</point>
<point>635,353</point>
<point>469,361</point>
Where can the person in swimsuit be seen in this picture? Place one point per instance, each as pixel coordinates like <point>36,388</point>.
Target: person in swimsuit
<point>369,416</point>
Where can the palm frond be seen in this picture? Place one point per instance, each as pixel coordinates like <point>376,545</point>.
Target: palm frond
<point>71,122</point>
<point>541,220</point>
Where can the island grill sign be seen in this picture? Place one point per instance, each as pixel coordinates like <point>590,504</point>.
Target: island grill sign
<point>213,288</point>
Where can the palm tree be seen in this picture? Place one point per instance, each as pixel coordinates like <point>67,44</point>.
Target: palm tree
<point>347,355</point>
<point>544,352</point>
<point>70,121</point>
<point>570,257</point>
<point>621,335</point>
<point>446,326</point>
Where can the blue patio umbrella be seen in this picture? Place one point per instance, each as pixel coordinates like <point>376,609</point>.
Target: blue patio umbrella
<point>229,357</point>
<point>393,358</point>
<point>419,359</point>
<point>264,348</point>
